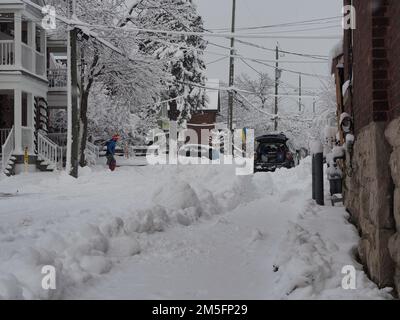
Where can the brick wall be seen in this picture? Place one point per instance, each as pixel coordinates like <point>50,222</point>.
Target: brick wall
<point>394,58</point>
<point>362,65</point>
<point>370,194</point>
<point>376,61</point>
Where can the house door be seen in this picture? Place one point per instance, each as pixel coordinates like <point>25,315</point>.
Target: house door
<point>6,109</point>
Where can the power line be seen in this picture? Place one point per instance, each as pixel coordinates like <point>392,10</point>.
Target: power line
<point>335,26</point>
<point>283,24</point>
<point>313,56</point>
<point>216,61</point>
<point>200,34</point>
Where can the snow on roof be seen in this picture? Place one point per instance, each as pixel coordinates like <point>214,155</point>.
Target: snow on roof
<point>212,95</point>
<point>335,52</point>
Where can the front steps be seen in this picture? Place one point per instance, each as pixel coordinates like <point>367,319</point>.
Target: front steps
<point>45,166</point>
<point>17,160</point>
<point>10,169</point>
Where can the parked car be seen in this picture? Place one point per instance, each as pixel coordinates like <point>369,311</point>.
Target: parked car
<point>200,151</point>
<point>272,152</point>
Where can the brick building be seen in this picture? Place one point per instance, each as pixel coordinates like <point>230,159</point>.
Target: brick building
<point>368,88</point>
<point>206,118</point>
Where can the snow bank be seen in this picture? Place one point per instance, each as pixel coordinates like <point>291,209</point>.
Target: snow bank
<point>84,227</point>
<point>313,254</point>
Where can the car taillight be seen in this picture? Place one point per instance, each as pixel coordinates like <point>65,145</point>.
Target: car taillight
<point>289,156</point>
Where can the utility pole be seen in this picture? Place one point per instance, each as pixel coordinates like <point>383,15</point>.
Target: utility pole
<point>277,76</point>
<point>73,106</point>
<point>232,69</point>
<point>69,98</point>
<point>299,92</point>
<point>314,103</point>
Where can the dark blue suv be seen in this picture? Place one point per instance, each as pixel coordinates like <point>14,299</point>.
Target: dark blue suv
<point>272,152</point>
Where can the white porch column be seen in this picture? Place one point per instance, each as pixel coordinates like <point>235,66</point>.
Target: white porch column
<point>18,119</point>
<point>32,41</point>
<point>31,119</point>
<point>43,48</point>
<point>18,38</point>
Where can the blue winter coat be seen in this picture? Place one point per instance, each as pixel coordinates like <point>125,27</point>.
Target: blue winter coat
<point>111,147</point>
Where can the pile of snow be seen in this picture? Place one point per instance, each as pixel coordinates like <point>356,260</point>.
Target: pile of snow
<point>313,256</point>
<point>178,220</point>
<point>84,227</point>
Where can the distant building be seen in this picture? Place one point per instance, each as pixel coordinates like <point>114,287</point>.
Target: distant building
<point>206,118</point>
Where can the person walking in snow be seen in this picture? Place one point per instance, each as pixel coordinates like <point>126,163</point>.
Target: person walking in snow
<point>111,144</point>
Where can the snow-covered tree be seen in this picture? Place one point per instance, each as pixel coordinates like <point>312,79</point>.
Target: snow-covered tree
<point>182,54</point>
<point>251,110</point>
<point>129,74</point>
<point>109,115</point>
<point>261,87</point>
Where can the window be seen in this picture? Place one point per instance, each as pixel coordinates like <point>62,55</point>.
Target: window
<point>6,26</point>
<point>38,39</point>
<point>24,34</point>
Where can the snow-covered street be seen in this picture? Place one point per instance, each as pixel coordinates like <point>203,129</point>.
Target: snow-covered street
<point>175,232</point>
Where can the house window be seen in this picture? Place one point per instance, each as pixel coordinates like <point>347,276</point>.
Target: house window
<point>6,26</point>
<point>24,106</point>
<point>24,33</point>
<point>6,109</point>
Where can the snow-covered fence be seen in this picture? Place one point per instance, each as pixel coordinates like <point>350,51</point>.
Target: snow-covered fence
<point>8,148</point>
<point>92,153</point>
<point>139,151</point>
<point>49,151</point>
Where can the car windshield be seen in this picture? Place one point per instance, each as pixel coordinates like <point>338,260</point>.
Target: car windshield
<point>266,148</point>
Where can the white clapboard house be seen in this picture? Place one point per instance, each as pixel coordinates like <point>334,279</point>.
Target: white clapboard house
<point>33,83</point>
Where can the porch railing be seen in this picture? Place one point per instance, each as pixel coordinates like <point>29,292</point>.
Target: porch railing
<point>4,135</point>
<point>57,78</point>
<point>7,55</point>
<point>49,151</point>
<point>58,138</point>
<point>7,149</point>
<point>40,63</point>
<point>27,57</point>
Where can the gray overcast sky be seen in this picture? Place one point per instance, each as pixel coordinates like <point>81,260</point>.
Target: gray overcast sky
<point>217,14</point>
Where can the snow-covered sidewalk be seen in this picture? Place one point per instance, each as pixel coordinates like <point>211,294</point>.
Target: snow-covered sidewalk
<point>168,232</point>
